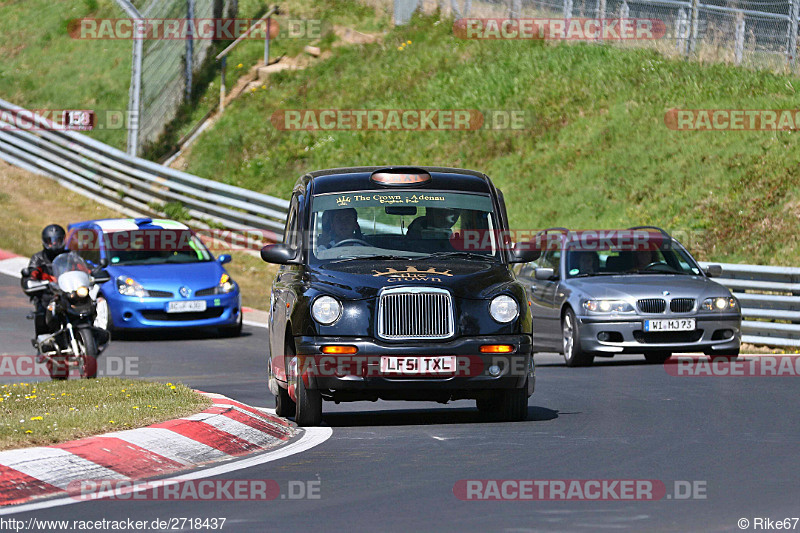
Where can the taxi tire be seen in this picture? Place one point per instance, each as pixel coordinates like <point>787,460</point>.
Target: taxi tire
<point>309,405</point>
<point>514,404</point>
<point>284,405</point>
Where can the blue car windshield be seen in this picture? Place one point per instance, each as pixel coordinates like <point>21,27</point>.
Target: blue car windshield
<point>154,246</point>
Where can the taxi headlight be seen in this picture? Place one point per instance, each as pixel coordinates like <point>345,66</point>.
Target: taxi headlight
<point>326,310</point>
<point>504,309</point>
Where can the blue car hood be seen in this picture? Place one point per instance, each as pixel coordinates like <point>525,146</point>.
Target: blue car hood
<point>171,277</point>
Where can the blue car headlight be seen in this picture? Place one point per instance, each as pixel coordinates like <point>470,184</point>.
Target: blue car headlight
<point>127,286</point>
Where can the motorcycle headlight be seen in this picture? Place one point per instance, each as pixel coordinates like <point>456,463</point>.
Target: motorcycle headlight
<point>719,304</point>
<point>129,287</point>
<point>82,292</point>
<point>504,308</point>
<point>326,310</point>
<point>607,306</point>
<point>226,284</point>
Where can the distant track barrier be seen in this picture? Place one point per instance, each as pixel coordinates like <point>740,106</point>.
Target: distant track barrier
<point>770,300</point>
<point>133,185</point>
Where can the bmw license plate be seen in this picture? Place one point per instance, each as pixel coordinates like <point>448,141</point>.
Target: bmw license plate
<point>416,364</point>
<point>677,324</point>
<point>189,306</point>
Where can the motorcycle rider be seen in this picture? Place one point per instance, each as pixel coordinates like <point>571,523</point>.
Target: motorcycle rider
<point>40,268</point>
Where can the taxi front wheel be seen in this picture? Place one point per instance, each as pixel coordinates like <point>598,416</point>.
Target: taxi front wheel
<point>309,405</point>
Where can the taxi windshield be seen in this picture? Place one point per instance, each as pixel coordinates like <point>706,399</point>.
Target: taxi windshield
<point>405,224</point>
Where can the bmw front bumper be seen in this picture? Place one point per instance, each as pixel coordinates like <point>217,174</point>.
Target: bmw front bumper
<point>612,335</point>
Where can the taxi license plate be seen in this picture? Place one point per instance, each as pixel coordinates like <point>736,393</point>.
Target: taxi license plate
<point>678,324</point>
<point>415,364</point>
<point>190,306</point>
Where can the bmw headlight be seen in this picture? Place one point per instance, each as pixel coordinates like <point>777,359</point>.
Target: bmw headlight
<point>504,308</point>
<point>727,303</point>
<point>129,287</point>
<point>607,306</point>
<point>326,310</point>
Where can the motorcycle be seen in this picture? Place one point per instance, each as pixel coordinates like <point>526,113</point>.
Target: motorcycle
<point>73,341</point>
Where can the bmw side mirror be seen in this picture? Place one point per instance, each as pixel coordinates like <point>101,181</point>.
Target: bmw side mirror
<point>713,271</point>
<point>280,254</point>
<point>224,258</point>
<point>544,274</point>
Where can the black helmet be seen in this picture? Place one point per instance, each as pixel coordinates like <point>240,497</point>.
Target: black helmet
<point>53,240</point>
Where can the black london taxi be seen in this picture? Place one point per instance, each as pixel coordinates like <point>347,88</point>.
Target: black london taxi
<point>395,284</point>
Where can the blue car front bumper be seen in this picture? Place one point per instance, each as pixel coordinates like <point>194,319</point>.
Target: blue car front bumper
<point>130,312</point>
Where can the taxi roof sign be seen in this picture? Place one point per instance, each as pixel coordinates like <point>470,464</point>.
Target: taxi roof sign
<point>409,176</point>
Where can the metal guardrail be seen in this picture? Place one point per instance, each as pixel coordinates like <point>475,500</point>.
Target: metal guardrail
<point>767,294</point>
<point>133,185</point>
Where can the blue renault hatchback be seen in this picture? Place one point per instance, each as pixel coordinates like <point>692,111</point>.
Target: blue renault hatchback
<point>162,276</point>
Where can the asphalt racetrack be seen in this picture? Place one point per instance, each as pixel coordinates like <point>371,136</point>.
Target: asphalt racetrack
<point>393,466</point>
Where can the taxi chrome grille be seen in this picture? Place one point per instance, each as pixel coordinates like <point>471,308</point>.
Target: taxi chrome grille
<point>652,305</point>
<point>415,313</point>
<point>681,305</point>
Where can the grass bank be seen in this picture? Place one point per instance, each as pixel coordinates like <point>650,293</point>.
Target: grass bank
<point>41,414</point>
<point>595,152</point>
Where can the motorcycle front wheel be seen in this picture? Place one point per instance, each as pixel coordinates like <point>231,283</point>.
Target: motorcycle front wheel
<point>87,359</point>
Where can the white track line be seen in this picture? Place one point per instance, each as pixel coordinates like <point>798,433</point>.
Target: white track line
<point>311,437</point>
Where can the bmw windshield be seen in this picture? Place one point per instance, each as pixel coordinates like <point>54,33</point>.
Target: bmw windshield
<point>666,258</point>
<point>402,224</point>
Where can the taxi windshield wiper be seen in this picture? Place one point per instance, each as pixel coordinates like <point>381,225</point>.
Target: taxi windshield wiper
<point>376,257</point>
<point>469,255</point>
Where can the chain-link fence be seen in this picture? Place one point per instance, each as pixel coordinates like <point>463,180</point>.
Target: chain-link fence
<point>163,69</point>
<point>756,33</point>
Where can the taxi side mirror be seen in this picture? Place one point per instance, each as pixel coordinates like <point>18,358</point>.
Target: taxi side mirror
<point>280,254</point>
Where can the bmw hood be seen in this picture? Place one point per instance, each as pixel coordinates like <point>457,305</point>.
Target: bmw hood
<point>364,279</point>
<point>648,286</point>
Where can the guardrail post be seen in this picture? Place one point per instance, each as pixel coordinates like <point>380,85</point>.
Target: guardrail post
<point>693,29</point>
<point>189,47</point>
<point>266,42</point>
<point>515,8</point>
<point>567,9</point>
<point>681,30</point>
<point>738,49</point>
<point>601,9</point>
<point>134,100</point>
<point>222,84</point>
<point>792,47</point>
<point>624,12</point>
